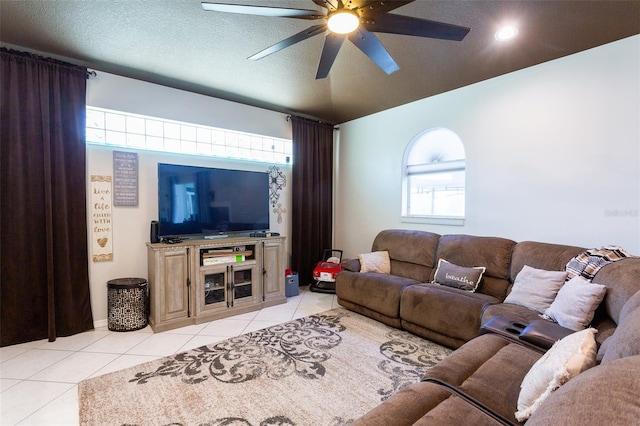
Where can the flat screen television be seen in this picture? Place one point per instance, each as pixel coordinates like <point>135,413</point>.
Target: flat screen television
<point>209,201</point>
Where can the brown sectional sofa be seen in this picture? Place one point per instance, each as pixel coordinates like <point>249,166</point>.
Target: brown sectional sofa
<point>479,383</point>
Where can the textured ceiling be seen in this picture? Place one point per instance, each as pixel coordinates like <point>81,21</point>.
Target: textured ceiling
<point>178,44</point>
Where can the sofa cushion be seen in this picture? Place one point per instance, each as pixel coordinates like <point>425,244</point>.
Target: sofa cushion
<point>377,292</point>
<point>459,277</point>
<point>405,407</point>
<point>566,359</point>
<point>625,341</point>
<point>412,253</point>
<point>617,277</point>
<point>491,252</point>
<point>378,261</point>
<point>550,257</point>
<point>576,303</point>
<point>442,311</point>
<point>464,361</point>
<point>488,368</point>
<point>535,288</point>
<point>603,395</point>
<point>454,411</point>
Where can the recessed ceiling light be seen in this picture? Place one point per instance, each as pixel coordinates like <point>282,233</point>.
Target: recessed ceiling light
<point>343,21</point>
<point>506,33</point>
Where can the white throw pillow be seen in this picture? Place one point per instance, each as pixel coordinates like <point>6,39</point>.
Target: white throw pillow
<point>378,261</point>
<point>535,288</point>
<point>566,359</point>
<point>576,303</point>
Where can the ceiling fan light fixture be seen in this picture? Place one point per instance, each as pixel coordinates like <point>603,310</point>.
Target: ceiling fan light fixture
<point>506,33</point>
<point>343,21</point>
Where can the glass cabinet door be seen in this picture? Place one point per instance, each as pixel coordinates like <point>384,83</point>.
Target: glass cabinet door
<point>214,288</point>
<point>224,287</point>
<point>242,283</point>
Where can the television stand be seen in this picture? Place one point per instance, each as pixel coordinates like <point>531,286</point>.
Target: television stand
<point>215,237</point>
<point>198,281</point>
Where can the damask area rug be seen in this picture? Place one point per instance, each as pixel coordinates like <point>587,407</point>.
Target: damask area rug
<point>325,369</point>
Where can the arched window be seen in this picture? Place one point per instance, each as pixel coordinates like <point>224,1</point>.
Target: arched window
<point>433,179</point>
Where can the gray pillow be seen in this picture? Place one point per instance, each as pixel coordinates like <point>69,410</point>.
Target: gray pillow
<point>576,303</point>
<point>535,288</point>
<point>458,276</point>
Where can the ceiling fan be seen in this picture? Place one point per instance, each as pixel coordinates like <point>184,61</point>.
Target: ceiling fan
<point>356,20</point>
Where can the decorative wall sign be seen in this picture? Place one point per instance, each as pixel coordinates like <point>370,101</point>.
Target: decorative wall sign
<point>101,218</point>
<point>277,181</point>
<point>125,178</point>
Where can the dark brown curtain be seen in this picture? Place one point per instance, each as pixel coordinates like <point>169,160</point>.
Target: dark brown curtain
<point>44,283</point>
<point>312,195</point>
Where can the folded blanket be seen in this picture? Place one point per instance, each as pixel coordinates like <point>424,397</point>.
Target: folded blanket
<point>588,263</point>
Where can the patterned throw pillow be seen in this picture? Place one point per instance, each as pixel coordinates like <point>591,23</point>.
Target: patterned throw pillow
<point>456,276</point>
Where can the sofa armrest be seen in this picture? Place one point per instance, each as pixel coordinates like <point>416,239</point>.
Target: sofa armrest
<point>352,265</point>
<point>544,333</point>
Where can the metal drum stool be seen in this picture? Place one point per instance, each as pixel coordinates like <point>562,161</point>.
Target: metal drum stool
<point>128,304</point>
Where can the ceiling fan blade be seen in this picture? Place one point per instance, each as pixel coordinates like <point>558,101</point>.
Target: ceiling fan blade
<point>371,46</point>
<point>332,44</point>
<point>282,12</point>
<point>407,25</point>
<point>328,4</point>
<point>370,9</point>
<point>296,38</point>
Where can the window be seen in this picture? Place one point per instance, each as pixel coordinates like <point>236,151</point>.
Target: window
<point>107,127</point>
<point>433,179</point>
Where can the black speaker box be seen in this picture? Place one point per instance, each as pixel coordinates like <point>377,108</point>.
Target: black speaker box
<point>153,234</point>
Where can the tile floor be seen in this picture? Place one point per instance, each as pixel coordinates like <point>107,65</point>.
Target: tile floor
<point>39,380</point>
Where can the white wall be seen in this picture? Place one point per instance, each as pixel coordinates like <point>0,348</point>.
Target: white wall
<point>131,224</point>
<point>126,94</point>
<point>553,155</point>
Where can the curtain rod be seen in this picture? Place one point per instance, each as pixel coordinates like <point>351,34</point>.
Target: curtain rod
<point>335,127</point>
<point>91,73</point>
